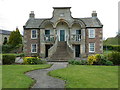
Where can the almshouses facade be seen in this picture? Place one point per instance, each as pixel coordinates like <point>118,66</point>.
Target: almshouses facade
<point>63,37</point>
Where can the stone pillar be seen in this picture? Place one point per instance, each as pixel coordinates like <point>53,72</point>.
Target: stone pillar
<point>42,44</point>
<point>83,43</point>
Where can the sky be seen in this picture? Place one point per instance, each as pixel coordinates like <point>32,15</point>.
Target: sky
<point>15,13</point>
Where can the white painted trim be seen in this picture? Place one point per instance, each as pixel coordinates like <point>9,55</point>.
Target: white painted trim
<point>93,33</point>
<point>36,48</point>
<point>36,34</point>
<point>89,48</point>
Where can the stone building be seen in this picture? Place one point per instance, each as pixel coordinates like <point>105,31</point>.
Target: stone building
<point>4,35</point>
<point>63,37</point>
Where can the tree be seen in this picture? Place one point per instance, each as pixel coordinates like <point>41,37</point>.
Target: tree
<point>15,38</point>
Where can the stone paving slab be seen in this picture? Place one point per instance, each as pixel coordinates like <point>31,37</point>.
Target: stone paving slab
<point>45,81</point>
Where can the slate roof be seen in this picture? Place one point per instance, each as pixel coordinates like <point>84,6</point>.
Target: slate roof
<point>89,22</point>
<point>33,23</point>
<point>5,32</point>
<point>92,22</point>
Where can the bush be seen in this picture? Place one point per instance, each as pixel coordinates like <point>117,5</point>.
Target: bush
<point>99,59</point>
<point>33,60</point>
<point>71,61</point>
<point>8,58</point>
<point>114,57</point>
<point>83,62</point>
<point>91,59</point>
<point>112,47</point>
<point>20,55</point>
<point>76,62</point>
<point>108,63</point>
<point>6,48</point>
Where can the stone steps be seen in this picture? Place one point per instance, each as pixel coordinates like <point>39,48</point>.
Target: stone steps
<point>61,53</point>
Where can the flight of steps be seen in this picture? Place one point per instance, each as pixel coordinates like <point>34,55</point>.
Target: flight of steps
<point>61,53</point>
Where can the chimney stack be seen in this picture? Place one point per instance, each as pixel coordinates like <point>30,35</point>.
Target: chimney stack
<point>94,14</point>
<point>32,15</point>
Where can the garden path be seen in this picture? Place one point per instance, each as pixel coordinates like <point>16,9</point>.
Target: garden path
<point>45,81</point>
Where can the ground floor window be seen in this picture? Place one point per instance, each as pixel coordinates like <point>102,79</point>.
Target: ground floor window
<point>34,48</point>
<point>91,47</point>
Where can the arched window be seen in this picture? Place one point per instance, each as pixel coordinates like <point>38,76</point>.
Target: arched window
<point>5,40</point>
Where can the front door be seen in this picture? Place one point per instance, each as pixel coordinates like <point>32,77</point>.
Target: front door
<point>62,35</point>
<point>77,50</point>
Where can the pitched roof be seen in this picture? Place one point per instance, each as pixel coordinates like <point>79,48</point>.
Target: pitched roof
<point>92,22</point>
<point>5,32</point>
<point>33,23</point>
<point>89,22</point>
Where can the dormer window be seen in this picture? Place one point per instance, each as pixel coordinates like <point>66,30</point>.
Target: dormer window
<point>33,34</point>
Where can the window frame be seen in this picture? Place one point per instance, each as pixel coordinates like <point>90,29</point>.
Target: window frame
<point>90,47</point>
<point>32,48</point>
<point>93,33</point>
<point>32,34</point>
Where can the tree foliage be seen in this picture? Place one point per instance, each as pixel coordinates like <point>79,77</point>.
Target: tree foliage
<point>15,38</point>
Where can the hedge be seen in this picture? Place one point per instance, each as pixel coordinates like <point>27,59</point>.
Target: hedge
<point>112,47</point>
<point>8,58</point>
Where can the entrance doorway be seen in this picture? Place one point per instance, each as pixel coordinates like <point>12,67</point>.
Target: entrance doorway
<point>77,50</point>
<point>62,35</point>
<point>46,49</point>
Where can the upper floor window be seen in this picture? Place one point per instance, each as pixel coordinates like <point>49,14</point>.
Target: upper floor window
<point>91,47</point>
<point>34,48</point>
<point>33,34</point>
<point>91,33</point>
<point>78,35</point>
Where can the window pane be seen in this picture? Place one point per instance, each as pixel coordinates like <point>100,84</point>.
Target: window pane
<point>91,47</point>
<point>34,46</point>
<point>34,32</point>
<point>91,33</point>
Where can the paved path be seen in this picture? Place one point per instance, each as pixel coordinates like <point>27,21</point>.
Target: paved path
<point>45,81</point>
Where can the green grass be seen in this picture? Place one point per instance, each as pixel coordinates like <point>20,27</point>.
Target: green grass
<point>13,75</point>
<point>85,76</point>
<point>0,77</point>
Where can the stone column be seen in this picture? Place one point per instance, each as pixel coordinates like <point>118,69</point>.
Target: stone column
<point>42,44</point>
<point>83,43</point>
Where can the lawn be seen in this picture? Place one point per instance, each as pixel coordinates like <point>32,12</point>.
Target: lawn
<point>13,75</point>
<point>86,76</point>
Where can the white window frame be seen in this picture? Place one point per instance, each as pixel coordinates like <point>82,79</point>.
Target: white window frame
<point>90,46</point>
<point>32,48</point>
<point>31,34</point>
<point>91,35</point>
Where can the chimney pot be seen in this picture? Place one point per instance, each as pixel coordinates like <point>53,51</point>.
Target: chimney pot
<point>32,15</point>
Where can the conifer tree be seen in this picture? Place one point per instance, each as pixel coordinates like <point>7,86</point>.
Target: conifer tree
<point>15,38</point>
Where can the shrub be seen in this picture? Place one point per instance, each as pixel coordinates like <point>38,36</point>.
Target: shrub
<point>20,55</point>
<point>112,47</point>
<point>33,60</point>
<point>114,57</point>
<point>83,62</point>
<point>108,63</point>
<point>71,61</point>
<point>99,59</point>
<point>8,58</point>
<point>91,59</point>
<point>7,48</point>
<point>76,62</point>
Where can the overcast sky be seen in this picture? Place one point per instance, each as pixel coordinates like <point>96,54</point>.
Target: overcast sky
<point>15,13</point>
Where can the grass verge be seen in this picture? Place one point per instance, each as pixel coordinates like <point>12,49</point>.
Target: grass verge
<point>85,76</point>
<point>13,75</point>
